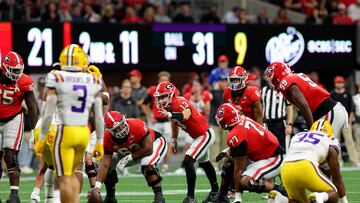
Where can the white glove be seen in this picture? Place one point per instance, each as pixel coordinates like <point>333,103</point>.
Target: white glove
<point>31,141</point>
<point>122,163</point>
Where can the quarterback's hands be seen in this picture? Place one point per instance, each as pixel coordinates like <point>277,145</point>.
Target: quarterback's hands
<point>94,71</point>
<point>94,195</point>
<point>98,151</point>
<point>123,162</point>
<point>165,113</point>
<point>174,145</point>
<point>39,147</point>
<point>221,155</point>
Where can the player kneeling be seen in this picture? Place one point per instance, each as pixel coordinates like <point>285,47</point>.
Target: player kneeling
<point>134,142</point>
<point>301,172</point>
<point>248,140</point>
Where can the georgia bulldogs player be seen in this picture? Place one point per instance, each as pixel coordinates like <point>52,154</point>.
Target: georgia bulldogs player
<point>15,87</point>
<point>313,101</point>
<point>246,98</point>
<point>183,114</point>
<point>249,140</point>
<point>132,141</point>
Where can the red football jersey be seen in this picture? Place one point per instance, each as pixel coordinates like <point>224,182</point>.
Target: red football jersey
<point>245,103</point>
<point>196,125</point>
<point>12,96</point>
<point>200,103</point>
<point>261,143</point>
<point>138,130</point>
<point>154,108</point>
<point>312,92</point>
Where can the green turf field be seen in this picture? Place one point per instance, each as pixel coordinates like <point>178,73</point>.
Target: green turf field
<point>134,189</point>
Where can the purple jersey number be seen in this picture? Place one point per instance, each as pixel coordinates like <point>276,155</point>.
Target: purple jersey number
<point>82,99</point>
<point>309,137</point>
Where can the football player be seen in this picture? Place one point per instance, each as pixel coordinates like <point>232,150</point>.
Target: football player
<point>72,92</point>
<point>300,170</point>
<point>248,140</point>
<point>133,142</point>
<point>183,114</point>
<point>15,87</point>
<point>313,101</point>
<point>247,98</point>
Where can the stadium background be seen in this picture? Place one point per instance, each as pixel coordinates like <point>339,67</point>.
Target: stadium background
<point>250,32</point>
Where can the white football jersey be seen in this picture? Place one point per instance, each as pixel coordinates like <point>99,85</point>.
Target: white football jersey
<point>76,92</point>
<point>312,146</point>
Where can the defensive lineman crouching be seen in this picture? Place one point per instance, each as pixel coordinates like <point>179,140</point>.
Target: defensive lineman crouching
<point>133,142</point>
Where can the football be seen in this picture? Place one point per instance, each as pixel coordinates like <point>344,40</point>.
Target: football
<point>94,196</point>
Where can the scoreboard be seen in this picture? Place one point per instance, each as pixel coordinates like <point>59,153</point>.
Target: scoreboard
<point>178,47</point>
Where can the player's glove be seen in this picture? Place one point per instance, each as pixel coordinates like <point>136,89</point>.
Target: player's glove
<point>39,147</point>
<point>222,154</point>
<point>98,151</point>
<point>123,162</point>
<point>94,71</point>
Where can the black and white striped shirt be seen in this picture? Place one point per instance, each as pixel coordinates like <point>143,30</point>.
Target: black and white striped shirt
<point>274,104</point>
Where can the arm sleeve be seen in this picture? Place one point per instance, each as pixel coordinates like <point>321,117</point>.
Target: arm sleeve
<point>52,79</point>
<point>47,115</point>
<point>240,150</point>
<point>99,119</point>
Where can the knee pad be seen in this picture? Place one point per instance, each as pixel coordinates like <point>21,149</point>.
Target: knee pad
<point>149,171</point>
<point>91,170</point>
<point>111,178</point>
<point>257,186</point>
<point>188,161</point>
<point>11,160</point>
<point>227,171</point>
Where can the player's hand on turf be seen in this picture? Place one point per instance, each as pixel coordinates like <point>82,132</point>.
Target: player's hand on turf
<point>39,147</point>
<point>123,162</point>
<point>98,152</point>
<point>221,155</point>
<point>174,146</point>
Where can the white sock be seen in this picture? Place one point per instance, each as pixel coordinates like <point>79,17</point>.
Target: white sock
<point>49,183</point>
<point>56,198</point>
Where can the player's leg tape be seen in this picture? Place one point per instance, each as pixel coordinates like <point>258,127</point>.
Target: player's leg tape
<point>149,171</point>
<point>11,160</point>
<point>91,170</point>
<point>49,183</point>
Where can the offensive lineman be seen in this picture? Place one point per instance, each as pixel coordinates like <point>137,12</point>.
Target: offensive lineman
<point>133,142</point>
<point>249,140</point>
<point>15,87</point>
<point>72,92</point>
<point>301,172</point>
<point>183,114</point>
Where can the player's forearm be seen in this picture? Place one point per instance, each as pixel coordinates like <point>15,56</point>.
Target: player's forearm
<point>338,182</point>
<point>99,119</point>
<point>290,114</point>
<point>104,168</point>
<point>47,115</point>
<point>141,153</point>
<point>174,131</point>
<point>32,108</point>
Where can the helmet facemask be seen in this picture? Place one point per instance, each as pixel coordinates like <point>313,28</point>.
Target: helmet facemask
<point>13,72</point>
<point>237,82</point>
<point>120,130</point>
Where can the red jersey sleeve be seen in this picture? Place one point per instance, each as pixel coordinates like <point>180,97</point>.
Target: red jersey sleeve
<point>187,95</point>
<point>25,83</point>
<point>255,93</point>
<point>180,104</point>
<point>233,139</point>
<point>207,96</point>
<point>286,83</point>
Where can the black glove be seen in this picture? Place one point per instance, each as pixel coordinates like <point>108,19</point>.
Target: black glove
<point>221,155</point>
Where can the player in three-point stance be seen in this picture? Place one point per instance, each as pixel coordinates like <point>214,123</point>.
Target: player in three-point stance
<point>73,92</point>
<point>131,141</point>
<point>183,114</point>
<point>15,87</point>
<point>300,171</point>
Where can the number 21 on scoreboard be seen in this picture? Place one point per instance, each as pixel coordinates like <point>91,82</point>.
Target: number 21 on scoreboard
<point>40,38</point>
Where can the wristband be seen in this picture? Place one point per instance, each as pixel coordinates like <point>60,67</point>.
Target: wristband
<point>177,116</point>
<point>97,185</point>
<point>173,140</point>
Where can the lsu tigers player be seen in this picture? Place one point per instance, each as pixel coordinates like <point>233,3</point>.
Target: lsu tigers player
<point>132,141</point>
<point>313,101</point>
<point>245,97</point>
<point>183,114</point>
<point>248,140</point>
<point>73,92</point>
<point>300,170</point>
<point>15,87</point>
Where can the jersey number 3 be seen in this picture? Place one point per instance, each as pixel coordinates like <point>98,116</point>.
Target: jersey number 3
<point>82,98</point>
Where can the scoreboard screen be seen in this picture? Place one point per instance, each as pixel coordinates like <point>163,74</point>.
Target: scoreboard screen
<point>178,47</point>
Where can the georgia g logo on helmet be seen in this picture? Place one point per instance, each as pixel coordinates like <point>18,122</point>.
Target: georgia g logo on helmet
<point>220,112</point>
<point>7,58</point>
<point>168,86</point>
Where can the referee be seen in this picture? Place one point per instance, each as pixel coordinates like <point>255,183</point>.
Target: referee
<point>278,114</point>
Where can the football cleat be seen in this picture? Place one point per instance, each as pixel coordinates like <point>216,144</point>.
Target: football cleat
<point>13,199</point>
<point>211,197</point>
<point>162,200</point>
<point>188,199</point>
<point>110,199</point>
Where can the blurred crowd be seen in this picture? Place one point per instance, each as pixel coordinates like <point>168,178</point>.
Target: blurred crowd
<point>167,11</point>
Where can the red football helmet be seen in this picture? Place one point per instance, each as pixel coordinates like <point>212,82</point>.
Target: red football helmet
<point>237,78</point>
<point>275,72</point>
<point>116,124</point>
<point>12,66</point>
<point>164,94</point>
<point>228,115</point>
